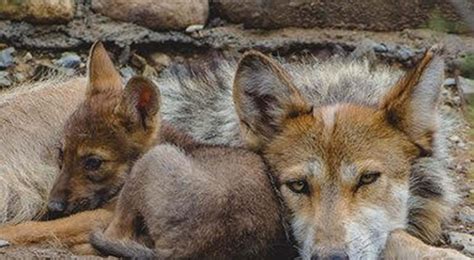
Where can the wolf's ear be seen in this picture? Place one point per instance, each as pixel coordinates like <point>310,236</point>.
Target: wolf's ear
<point>140,104</point>
<point>264,97</point>
<point>102,75</point>
<point>411,104</point>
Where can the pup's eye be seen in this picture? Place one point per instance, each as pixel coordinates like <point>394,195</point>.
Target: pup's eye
<point>368,178</point>
<point>92,163</point>
<point>298,186</point>
<point>60,157</point>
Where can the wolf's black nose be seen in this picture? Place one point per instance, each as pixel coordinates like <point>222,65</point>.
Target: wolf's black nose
<point>56,206</point>
<point>337,256</point>
<point>332,256</point>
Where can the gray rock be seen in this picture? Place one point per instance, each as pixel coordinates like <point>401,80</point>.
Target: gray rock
<point>194,28</point>
<point>380,48</point>
<point>404,53</point>
<point>127,72</point>
<point>4,79</point>
<point>462,240</point>
<point>157,15</point>
<point>466,215</point>
<point>38,11</point>
<point>365,50</point>
<point>467,86</point>
<point>449,82</point>
<point>6,58</point>
<point>69,60</point>
<point>4,243</point>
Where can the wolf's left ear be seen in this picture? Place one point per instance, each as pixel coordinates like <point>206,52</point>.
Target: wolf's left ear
<point>411,104</point>
<point>264,97</point>
<point>140,104</point>
<point>101,72</point>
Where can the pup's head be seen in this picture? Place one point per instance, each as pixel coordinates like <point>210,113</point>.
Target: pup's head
<point>104,137</point>
<point>342,169</point>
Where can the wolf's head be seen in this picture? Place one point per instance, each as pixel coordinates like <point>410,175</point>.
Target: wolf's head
<point>103,137</point>
<point>343,169</point>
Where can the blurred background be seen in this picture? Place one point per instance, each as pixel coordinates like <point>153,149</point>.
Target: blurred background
<point>145,37</point>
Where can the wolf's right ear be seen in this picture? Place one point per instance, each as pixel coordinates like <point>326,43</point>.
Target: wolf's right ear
<point>264,97</point>
<point>102,75</point>
<point>140,105</point>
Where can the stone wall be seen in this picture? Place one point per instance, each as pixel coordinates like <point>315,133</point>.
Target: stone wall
<point>375,15</point>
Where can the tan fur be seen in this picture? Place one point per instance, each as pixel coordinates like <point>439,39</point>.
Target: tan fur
<point>31,118</point>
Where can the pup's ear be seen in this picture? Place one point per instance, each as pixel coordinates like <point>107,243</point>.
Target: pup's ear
<point>102,75</point>
<point>411,104</point>
<point>264,97</point>
<point>140,105</point>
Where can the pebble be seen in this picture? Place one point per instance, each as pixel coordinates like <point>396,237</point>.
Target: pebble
<point>4,243</point>
<point>467,86</point>
<point>28,56</point>
<point>464,240</point>
<point>449,82</point>
<point>69,60</point>
<point>138,61</point>
<point>380,48</point>
<point>455,139</point>
<point>4,80</point>
<point>194,28</point>
<point>127,72</point>
<point>6,58</point>
<point>466,215</point>
<point>160,60</point>
<point>404,53</point>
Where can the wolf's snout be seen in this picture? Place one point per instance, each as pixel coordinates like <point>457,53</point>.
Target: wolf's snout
<point>56,206</point>
<point>332,256</point>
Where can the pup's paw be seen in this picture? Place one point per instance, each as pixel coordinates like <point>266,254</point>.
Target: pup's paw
<point>444,254</point>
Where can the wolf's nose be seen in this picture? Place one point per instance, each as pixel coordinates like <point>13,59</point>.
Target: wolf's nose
<point>332,256</point>
<point>56,206</point>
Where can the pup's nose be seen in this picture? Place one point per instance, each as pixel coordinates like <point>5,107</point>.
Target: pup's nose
<point>56,206</point>
<point>333,256</point>
<point>337,256</point>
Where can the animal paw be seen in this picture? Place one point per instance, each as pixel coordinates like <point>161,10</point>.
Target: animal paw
<point>444,254</point>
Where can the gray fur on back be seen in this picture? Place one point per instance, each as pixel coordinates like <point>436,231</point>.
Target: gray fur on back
<point>200,103</point>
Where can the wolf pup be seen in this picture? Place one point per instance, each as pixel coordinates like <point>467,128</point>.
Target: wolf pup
<point>204,203</point>
<point>101,140</point>
<point>104,137</point>
<point>357,166</point>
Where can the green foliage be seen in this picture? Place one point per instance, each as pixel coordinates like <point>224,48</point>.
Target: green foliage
<point>438,23</point>
<point>467,65</point>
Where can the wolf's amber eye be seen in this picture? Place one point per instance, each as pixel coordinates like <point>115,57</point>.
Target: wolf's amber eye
<point>298,186</point>
<point>92,163</point>
<point>368,178</point>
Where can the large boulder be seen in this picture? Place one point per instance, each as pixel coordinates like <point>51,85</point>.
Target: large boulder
<point>155,14</point>
<point>38,11</point>
<point>378,15</point>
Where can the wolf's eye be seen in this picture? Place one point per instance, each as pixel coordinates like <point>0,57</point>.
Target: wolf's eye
<point>60,157</point>
<point>368,178</point>
<point>298,186</point>
<point>92,163</point>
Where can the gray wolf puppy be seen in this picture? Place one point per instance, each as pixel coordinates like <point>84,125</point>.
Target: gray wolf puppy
<point>208,203</point>
<point>359,155</point>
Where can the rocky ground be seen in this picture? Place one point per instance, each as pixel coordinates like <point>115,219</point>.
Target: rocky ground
<point>32,52</point>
